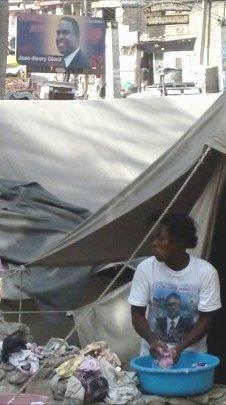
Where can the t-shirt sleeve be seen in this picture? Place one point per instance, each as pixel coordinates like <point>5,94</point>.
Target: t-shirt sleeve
<point>209,299</point>
<point>139,293</point>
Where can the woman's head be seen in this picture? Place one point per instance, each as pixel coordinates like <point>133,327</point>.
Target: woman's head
<point>175,233</point>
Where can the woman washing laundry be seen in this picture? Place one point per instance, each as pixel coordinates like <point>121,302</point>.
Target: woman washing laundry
<point>174,294</point>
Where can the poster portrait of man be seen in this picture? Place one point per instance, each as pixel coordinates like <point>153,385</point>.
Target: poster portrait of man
<point>174,324</point>
<point>67,41</point>
<point>52,43</point>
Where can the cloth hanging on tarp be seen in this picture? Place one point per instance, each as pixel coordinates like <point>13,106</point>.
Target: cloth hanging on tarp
<point>31,219</point>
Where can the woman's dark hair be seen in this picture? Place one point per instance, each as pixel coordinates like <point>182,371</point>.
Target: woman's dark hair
<point>182,228</point>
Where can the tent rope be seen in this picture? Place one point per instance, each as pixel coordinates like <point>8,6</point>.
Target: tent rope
<point>199,163</point>
<point>19,269</point>
<point>81,319</point>
<point>35,312</point>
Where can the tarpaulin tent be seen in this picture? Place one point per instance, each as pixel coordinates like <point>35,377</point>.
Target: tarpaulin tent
<point>114,231</point>
<point>57,157</point>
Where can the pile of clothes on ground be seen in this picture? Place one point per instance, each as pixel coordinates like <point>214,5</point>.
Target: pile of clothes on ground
<point>22,355</point>
<point>75,376</point>
<point>94,375</point>
<point>67,375</point>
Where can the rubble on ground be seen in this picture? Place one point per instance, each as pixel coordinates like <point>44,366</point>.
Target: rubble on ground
<point>7,328</point>
<point>216,396</point>
<point>56,352</point>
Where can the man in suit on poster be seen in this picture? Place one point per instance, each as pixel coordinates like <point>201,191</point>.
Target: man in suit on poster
<point>173,326</point>
<point>67,41</point>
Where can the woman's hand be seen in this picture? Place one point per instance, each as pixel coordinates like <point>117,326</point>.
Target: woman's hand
<point>175,351</point>
<point>157,347</point>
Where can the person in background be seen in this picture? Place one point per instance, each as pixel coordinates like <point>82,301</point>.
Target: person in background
<point>172,277</point>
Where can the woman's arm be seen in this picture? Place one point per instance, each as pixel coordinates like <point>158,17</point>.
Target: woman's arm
<point>143,329</point>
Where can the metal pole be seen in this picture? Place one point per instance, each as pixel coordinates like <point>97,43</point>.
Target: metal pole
<point>85,7</point>
<point>4,21</point>
<point>209,33</point>
<point>203,38</point>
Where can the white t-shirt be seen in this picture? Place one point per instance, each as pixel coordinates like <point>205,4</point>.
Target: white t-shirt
<point>193,289</point>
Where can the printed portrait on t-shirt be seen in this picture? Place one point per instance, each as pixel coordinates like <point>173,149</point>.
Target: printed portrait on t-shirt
<point>174,310</point>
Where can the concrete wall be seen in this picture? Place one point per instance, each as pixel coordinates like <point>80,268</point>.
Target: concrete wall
<point>205,21</point>
<point>129,60</point>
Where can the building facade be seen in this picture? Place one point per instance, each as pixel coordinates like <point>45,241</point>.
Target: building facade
<point>182,38</point>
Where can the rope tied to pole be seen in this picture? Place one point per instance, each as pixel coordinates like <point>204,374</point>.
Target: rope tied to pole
<point>15,270</point>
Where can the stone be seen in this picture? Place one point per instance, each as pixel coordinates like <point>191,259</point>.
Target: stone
<point>11,374</point>
<point>221,401</point>
<point>58,387</point>
<point>7,328</point>
<point>148,400</point>
<point>217,393</point>
<point>201,399</point>
<point>6,388</point>
<point>70,351</point>
<point>154,399</point>
<point>48,354</point>
<point>223,386</point>
<point>40,387</point>
<point>19,378</point>
<point>2,374</point>
<point>180,401</point>
<point>8,367</point>
<point>45,373</point>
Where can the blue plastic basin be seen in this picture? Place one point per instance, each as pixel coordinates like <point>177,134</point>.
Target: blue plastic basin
<point>180,380</point>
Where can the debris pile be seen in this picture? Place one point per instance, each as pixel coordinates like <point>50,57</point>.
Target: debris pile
<point>68,375</point>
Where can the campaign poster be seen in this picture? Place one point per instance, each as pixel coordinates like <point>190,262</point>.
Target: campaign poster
<point>50,43</point>
<point>174,310</point>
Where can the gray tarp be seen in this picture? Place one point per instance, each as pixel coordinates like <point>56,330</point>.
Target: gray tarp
<point>31,220</point>
<point>115,230</point>
<point>83,153</point>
